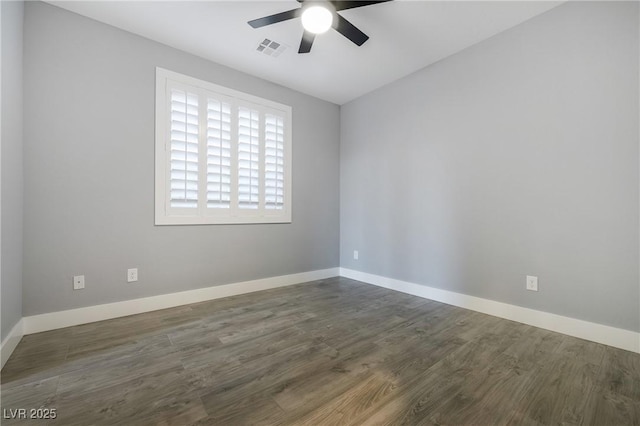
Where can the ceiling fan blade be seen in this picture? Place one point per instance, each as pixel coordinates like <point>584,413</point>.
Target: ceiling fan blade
<point>349,30</point>
<point>273,19</point>
<point>343,5</point>
<point>306,42</point>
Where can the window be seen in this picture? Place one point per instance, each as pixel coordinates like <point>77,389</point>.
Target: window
<point>222,156</point>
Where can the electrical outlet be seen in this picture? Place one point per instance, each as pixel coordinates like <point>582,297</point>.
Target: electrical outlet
<point>532,283</point>
<point>78,282</point>
<point>132,275</point>
<point>355,255</point>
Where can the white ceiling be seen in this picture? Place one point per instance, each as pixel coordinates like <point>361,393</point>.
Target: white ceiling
<point>405,36</point>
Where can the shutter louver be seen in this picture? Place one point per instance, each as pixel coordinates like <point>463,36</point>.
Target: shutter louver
<point>248,158</point>
<point>184,149</point>
<point>274,162</point>
<point>218,154</point>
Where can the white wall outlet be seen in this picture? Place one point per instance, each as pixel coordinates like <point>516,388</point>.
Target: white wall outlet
<point>132,275</point>
<point>356,255</point>
<point>532,283</point>
<point>78,282</point>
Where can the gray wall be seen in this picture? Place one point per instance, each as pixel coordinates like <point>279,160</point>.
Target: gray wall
<point>12,187</point>
<point>517,156</point>
<point>89,174</point>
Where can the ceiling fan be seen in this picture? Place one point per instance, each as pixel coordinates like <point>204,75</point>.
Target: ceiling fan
<point>318,17</point>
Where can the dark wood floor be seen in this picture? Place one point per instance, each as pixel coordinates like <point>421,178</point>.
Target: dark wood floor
<point>333,352</point>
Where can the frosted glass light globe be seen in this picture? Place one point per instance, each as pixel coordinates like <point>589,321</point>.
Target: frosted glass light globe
<point>317,19</point>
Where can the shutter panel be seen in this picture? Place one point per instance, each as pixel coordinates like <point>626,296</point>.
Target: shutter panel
<point>248,158</point>
<point>218,154</point>
<point>221,156</point>
<point>184,149</point>
<point>274,162</point>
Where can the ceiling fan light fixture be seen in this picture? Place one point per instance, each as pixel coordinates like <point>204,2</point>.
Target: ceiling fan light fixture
<point>317,19</point>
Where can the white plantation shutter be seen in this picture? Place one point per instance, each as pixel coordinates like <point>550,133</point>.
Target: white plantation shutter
<point>248,158</point>
<point>184,149</point>
<point>222,156</point>
<point>218,154</point>
<point>274,162</point>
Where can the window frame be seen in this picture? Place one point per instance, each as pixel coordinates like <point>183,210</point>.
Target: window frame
<point>165,214</point>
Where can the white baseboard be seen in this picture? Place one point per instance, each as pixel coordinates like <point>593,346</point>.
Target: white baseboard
<point>10,342</point>
<point>61,319</point>
<point>616,337</point>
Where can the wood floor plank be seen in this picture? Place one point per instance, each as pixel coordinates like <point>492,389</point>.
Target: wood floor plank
<point>117,370</point>
<point>223,400</point>
<point>211,351</point>
<point>217,324</point>
<point>212,377</point>
<point>36,394</point>
<point>264,327</point>
<point>534,346</point>
<point>490,395</point>
<point>122,349</point>
<point>349,367</point>
<point>606,407</point>
<point>26,366</point>
<point>345,408</point>
<point>583,350</point>
<point>38,357</point>
<point>162,394</point>
<point>620,373</point>
<point>415,404</point>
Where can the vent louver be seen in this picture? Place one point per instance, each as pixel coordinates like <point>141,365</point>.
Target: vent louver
<point>271,48</point>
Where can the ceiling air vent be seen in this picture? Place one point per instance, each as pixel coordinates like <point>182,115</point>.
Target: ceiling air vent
<point>271,48</point>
